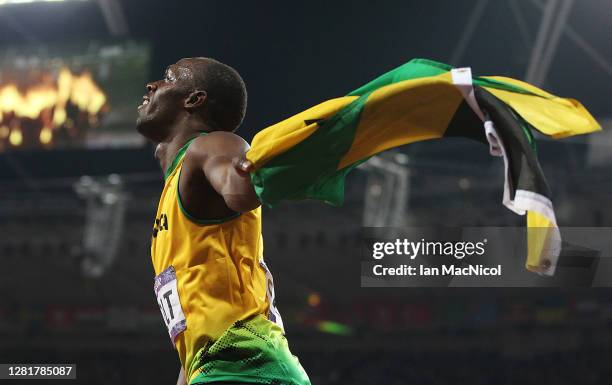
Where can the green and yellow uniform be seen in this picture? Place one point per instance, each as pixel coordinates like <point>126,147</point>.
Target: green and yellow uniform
<point>216,294</point>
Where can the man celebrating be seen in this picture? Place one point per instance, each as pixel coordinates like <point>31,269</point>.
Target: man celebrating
<point>215,293</point>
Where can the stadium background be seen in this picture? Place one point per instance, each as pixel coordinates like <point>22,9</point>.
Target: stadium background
<point>76,212</point>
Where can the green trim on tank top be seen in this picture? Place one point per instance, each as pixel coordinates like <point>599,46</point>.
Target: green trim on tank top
<point>179,155</point>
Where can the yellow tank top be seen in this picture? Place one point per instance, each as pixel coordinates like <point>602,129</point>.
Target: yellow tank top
<point>209,274</point>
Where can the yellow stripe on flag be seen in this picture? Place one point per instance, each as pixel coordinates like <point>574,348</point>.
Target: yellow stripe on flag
<point>405,112</point>
<point>549,114</point>
<point>539,233</point>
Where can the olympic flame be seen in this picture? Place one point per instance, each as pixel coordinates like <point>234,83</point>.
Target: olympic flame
<point>48,103</point>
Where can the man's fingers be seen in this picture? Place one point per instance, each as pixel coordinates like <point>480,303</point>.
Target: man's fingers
<point>244,165</point>
<point>247,165</point>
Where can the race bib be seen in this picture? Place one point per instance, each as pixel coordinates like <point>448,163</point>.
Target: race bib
<point>169,304</point>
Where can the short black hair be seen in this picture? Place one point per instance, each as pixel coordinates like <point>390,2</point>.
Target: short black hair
<point>226,92</point>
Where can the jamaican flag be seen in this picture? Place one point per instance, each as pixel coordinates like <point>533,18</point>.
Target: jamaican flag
<point>308,155</point>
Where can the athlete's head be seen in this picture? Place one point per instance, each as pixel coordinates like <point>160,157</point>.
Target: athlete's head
<point>194,90</point>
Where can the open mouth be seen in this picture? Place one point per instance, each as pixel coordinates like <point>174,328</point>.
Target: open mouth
<point>145,101</point>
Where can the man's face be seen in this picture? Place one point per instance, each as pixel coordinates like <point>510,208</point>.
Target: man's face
<point>164,101</point>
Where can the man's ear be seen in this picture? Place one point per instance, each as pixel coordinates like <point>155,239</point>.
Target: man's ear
<point>195,99</point>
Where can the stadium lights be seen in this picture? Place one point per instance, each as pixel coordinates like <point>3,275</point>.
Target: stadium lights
<point>10,2</point>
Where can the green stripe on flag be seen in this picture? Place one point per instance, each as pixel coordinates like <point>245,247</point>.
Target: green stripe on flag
<point>527,130</point>
<point>414,69</point>
<point>497,84</point>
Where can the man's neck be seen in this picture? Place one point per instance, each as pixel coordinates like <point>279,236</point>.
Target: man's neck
<point>167,150</point>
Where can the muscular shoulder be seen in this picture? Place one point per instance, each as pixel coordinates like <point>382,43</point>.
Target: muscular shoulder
<point>208,160</point>
<point>218,143</point>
